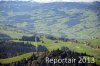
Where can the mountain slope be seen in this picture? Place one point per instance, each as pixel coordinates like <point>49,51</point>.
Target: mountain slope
<point>65,19</point>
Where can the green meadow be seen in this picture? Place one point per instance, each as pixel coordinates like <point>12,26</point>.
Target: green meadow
<point>14,59</point>
<point>51,45</point>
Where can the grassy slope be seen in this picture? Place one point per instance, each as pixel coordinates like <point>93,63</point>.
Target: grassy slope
<point>13,34</point>
<point>55,22</point>
<point>14,59</point>
<point>94,43</point>
<point>51,45</point>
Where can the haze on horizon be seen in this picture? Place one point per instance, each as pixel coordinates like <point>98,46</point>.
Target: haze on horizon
<point>47,1</point>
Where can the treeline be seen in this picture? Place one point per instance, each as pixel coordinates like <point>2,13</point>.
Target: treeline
<point>60,38</point>
<point>10,49</point>
<point>37,38</point>
<point>30,38</point>
<point>4,37</point>
<point>39,59</point>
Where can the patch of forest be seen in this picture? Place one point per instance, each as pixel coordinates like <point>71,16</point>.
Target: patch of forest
<point>11,49</point>
<point>38,59</point>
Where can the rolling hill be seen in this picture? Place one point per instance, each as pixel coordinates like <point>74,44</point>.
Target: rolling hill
<point>73,20</point>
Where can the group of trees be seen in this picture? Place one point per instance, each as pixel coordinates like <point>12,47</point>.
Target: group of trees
<point>10,49</point>
<point>39,59</point>
<point>60,38</point>
<point>30,38</point>
<point>4,36</point>
<point>38,38</point>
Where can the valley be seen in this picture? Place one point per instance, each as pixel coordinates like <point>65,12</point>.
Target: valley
<point>31,31</point>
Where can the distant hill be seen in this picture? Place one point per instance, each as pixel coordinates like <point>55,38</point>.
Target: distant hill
<point>62,19</point>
